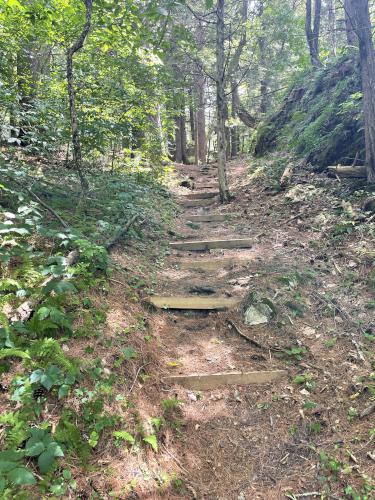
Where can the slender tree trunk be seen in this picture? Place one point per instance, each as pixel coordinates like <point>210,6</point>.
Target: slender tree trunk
<point>178,140</point>
<point>349,24</point>
<point>220,102</point>
<point>183,137</point>
<point>362,26</point>
<point>332,27</point>
<point>312,34</point>
<point>76,142</point>
<point>201,120</point>
<point>192,119</point>
<point>234,129</point>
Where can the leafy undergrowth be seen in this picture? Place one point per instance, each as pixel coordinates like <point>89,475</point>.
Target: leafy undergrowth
<point>322,287</point>
<point>69,363</point>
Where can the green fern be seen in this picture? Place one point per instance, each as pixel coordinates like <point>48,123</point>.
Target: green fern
<point>47,351</point>
<point>16,429</point>
<point>13,352</point>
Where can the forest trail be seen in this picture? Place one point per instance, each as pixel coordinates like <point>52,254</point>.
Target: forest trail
<point>230,448</point>
<point>249,441</point>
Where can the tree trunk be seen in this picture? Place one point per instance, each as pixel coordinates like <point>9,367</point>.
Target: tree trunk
<point>76,142</point>
<point>201,120</point>
<point>180,138</point>
<point>220,102</point>
<point>349,24</point>
<point>362,26</point>
<point>234,139</point>
<point>332,27</point>
<point>192,120</point>
<point>312,34</point>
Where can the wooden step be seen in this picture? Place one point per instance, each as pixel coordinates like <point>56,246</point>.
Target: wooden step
<point>197,203</point>
<point>207,186</point>
<point>211,265</point>
<point>195,303</point>
<point>209,244</point>
<point>207,382</point>
<point>210,217</point>
<point>201,196</point>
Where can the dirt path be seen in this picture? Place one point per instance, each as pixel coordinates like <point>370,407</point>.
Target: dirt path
<point>255,441</point>
<point>228,447</point>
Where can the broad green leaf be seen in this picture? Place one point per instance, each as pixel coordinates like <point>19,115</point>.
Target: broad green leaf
<point>63,391</point>
<point>35,450</point>
<point>6,466</point>
<point>21,475</point>
<point>36,376</point>
<point>55,449</point>
<point>2,484</point>
<point>46,461</point>
<point>59,286</point>
<point>11,455</point>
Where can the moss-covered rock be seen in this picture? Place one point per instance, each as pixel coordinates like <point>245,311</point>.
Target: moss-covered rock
<point>320,117</point>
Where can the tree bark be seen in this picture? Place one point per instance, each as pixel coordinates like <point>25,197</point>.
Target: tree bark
<point>332,27</point>
<point>76,142</point>
<point>362,26</point>
<point>312,33</point>
<point>180,138</point>
<point>221,102</point>
<point>234,140</point>
<point>349,24</point>
<point>201,120</point>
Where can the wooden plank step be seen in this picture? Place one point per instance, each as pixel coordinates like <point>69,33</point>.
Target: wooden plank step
<point>196,303</point>
<point>207,186</point>
<point>197,203</point>
<point>211,265</point>
<point>207,382</point>
<point>207,244</point>
<point>210,217</point>
<point>200,196</point>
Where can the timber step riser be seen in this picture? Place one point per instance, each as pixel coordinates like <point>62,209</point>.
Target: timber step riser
<point>209,382</point>
<point>210,218</point>
<point>195,303</point>
<point>209,245</point>
<point>197,203</point>
<point>200,196</point>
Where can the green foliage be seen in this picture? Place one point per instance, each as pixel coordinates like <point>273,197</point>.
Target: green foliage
<point>12,472</point>
<point>320,117</point>
<point>42,446</point>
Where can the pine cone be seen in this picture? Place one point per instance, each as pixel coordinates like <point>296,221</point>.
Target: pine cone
<point>40,392</point>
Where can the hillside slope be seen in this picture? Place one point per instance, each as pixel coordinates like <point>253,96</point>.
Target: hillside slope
<point>319,117</point>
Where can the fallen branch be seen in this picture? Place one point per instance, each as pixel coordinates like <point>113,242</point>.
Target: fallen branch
<point>121,233</point>
<point>40,201</point>
<point>237,330</point>
<point>360,172</point>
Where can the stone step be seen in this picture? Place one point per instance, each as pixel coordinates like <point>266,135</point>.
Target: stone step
<point>212,381</point>
<point>211,265</point>
<point>195,303</point>
<point>201,196</point>
<point>210,217</point>
<point>210,244</point>
<point>196,203</point>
